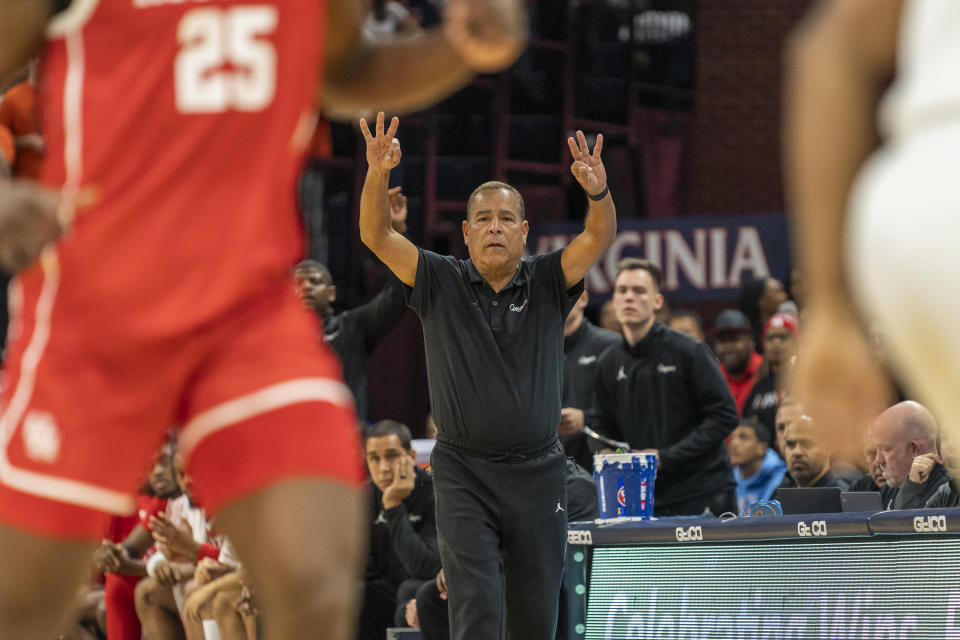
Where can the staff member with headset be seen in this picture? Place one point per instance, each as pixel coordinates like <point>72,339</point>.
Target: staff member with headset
<point>493,333</point>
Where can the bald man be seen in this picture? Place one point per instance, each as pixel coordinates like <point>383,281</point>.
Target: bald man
<point>901,433</point>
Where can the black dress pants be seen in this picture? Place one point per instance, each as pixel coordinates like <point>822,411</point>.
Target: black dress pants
<point>501,513</point>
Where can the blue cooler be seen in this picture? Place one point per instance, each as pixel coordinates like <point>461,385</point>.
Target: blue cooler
<point>625,484</point>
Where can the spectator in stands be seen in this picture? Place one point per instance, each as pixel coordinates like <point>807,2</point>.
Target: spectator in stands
<point>688,322</point>
<point>428,611</point>
<point>902,433</point>
<point>662,392</point>
<point>788,411</point>
<point>873,479</point>
<point>734,346</point>
<point>808,461</point>
<point>583,342</point>
<point>948,494</point>
<point>780,335</point>
<point>759,301</point>
<point>757,468</point>
<point>403,533</point>
<point>608,318</point>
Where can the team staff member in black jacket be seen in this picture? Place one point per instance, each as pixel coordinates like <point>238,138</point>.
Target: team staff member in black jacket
<point>353,334</point>
<point>493,336</point>
<point>663,392</point>
<point>403,532</point>
<point>583,342</point>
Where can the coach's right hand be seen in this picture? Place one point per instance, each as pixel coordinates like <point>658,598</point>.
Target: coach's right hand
<point>28,223</point>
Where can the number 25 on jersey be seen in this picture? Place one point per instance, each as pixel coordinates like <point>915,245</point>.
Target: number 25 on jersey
<point>225,61</point>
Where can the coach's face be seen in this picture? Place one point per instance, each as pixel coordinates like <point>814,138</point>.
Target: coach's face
<point>495,231</point>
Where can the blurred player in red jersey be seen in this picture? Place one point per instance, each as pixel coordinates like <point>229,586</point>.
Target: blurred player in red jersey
<point>165,299</point>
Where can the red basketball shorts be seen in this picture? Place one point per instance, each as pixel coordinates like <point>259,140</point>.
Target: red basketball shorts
<point>256,399</point>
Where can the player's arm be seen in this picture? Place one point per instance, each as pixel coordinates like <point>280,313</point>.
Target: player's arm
<point>600,227</point>
<point>406,74</point>
<point>137,542</point>
<point>376,230</point>
<point>22,23</point>
<point>838,63</point>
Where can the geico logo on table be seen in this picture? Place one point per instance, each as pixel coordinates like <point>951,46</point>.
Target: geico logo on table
<point>687,535</point>
<point>815,528</point>
<point>926,524</point>
<point>579,537</point>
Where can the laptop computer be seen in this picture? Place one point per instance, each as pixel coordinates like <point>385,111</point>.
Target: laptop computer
<point>809,500</point>
<point>860,501</point>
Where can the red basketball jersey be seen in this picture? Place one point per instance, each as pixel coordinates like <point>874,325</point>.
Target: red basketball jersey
<point>187,119</point>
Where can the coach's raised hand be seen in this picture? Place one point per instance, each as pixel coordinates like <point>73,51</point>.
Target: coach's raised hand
<point>588,167</point>
<point>383,150</point>
<point>377,229</point>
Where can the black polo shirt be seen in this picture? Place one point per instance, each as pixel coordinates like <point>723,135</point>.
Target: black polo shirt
<point>494,360</point>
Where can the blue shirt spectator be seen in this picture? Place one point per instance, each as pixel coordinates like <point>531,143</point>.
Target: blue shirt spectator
<point>757,468</point>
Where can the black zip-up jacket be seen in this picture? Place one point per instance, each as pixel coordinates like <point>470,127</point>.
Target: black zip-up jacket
<point>826,480</point>
<point>403,540</point>
<point>914,495</point>
<point>581,352</point>
<point>666,392</point>
<point>354,334</point>
<point>946,495</point>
